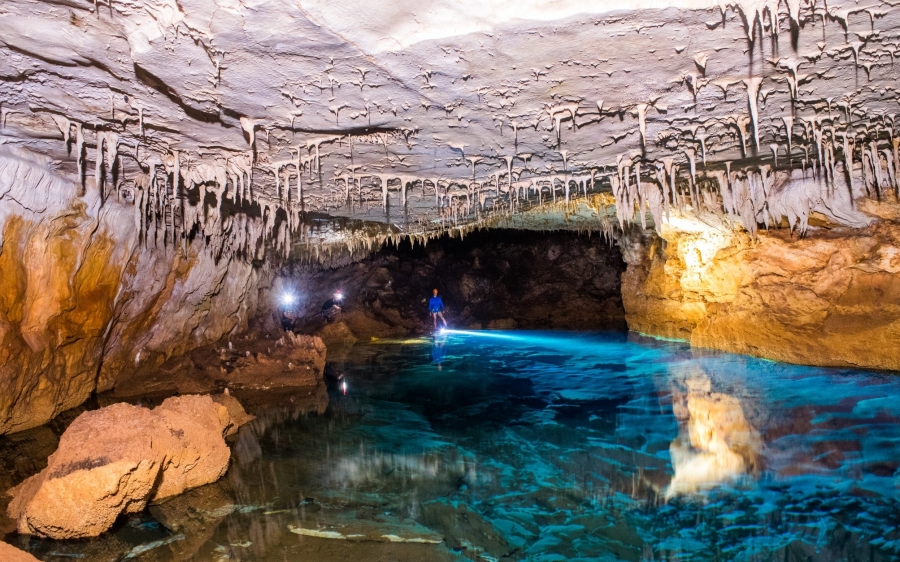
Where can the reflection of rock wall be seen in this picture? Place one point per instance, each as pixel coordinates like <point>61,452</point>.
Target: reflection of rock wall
<point>83,300</point>
<point>831,298</point>
<point>716,443</point>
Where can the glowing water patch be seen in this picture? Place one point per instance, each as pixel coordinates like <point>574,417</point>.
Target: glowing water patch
<point>482,333</point>
<point>663,338</point>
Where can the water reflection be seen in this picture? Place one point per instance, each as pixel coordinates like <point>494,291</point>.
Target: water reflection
<point>715,442</point>
<point>439,349</point>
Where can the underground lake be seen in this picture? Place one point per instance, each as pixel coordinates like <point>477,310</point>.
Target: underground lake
<point>531,445</point>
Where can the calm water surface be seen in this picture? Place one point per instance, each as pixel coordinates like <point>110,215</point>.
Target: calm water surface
<point>548,446</point>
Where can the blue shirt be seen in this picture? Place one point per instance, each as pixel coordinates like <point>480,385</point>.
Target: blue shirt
<point>436,304</point>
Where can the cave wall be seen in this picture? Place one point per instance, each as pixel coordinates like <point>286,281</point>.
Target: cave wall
<point>85,300</point>
<point>495,279</point>
<point>830,298</point>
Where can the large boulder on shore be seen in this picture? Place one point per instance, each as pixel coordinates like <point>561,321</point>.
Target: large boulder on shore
<point>116,459</point>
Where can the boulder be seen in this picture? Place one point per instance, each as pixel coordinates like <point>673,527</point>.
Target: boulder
<point>116,459</point>
<point>235,411</point>
<point>9,553</point>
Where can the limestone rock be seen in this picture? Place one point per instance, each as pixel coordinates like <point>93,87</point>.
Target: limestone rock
<point>236,413</point>
<point>337,334</point>
<point>85,302</point>
<point>831,298</point>
<point>298,362</point>
<point>116,459</point>
<point>9,553</point>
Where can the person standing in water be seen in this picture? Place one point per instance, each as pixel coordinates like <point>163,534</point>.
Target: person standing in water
<point>436,308</point>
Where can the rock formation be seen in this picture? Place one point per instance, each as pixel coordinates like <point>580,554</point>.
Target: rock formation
<point>85,300</point>
<point>829,298</point>
<point>10,553</point>
<point>295,361</point>
<point>159,156</point>
<point>253,362</point>
<point>496,279</point>
<point>117,459</point>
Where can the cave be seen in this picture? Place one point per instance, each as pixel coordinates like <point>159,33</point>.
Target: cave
<point>474,280</point>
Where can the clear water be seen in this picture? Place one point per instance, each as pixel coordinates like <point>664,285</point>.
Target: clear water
<point>548,446</point>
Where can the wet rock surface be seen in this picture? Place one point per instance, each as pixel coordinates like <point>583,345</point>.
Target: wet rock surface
<point>245,364</point>
<point>831,298</point>
<point>86,299</point>
<point>9,553</point>
<point>114,460</point>
<point>492,279</point>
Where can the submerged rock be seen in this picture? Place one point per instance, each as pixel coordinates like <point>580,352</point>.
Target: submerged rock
<point>195,515</point>
<point>9,553</point>
<point>463,528</point>
<point>117,459</point>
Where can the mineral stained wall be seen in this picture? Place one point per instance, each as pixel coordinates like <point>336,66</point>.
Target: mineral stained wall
<point>831,298</point>
<point>84,299</point>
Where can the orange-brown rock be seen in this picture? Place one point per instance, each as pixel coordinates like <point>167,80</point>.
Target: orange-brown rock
<point>295,361</point>
<point>236,413</point>
<point>831,298</point>
<point>716,442</point>
<point>86,299</point>
<point>117,459</point>
<point>9,553</point>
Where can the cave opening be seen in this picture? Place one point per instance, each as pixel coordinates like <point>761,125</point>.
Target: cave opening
<point>488,279</point>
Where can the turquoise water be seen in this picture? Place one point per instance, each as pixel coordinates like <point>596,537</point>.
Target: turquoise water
<point>549,446</point>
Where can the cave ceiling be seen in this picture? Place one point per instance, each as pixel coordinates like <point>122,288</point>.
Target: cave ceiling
<point>426,113</point>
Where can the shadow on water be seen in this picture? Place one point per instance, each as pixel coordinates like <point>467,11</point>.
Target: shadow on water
<point>544,446</point>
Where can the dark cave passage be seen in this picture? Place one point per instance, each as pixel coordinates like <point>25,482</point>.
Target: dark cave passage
<point>491,279</point>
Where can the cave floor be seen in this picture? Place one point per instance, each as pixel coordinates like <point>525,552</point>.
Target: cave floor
<point>545,446</point>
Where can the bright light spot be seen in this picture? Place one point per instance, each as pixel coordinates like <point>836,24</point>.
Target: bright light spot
<point>288,299</point>
<point>486,334</point>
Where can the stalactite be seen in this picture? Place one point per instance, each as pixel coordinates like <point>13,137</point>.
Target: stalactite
<point>753,84</point>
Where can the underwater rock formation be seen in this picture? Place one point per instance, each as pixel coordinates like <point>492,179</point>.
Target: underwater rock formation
<point>116,459</point>
<point>831,298</point>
